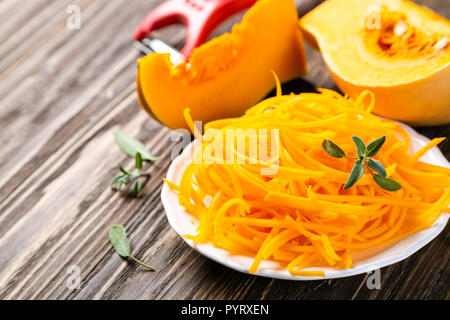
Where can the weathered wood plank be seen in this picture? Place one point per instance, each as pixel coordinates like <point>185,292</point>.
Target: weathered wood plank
<point>63,93</point>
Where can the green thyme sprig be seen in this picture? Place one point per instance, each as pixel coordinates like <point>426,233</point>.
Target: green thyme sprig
<point>364,160</point>
<point>136,149</point>
<point>127,177</point>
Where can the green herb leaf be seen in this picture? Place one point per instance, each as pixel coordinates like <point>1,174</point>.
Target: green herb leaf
<point>137,187</point>
<point>375,146</point>
<point>119,181</point>
<point>119,241</point>
<point>138,161</point>
<point>361,148</point>
<point>387,184</point>
<point>116,180</point>
<point>377,166</point>
<point>358,169</point>
<point>356,174</point>
<point>332,149</point>
<point>132,146</point>
<point>125,172</point>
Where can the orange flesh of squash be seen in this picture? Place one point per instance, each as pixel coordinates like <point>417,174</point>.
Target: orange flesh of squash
<point>228,74</point>
<point>394,48</point>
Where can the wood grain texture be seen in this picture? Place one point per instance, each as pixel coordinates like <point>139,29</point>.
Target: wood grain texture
<point>63,93</point>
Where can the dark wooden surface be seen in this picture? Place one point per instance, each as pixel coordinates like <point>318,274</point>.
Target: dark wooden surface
<point>63,92</point>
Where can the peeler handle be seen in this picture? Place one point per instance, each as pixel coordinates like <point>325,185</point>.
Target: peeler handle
<point>199,16</point>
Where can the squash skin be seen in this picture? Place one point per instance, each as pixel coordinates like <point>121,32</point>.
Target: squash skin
<point>418,94</point>
<point>228,74</point>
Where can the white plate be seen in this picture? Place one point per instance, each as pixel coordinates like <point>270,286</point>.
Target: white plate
<point>183,224</point>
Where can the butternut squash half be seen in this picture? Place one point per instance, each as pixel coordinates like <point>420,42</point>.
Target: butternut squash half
<point>228,74</point>
<point>395,48</point>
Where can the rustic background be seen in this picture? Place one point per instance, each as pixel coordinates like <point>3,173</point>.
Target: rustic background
<point>63,92</point>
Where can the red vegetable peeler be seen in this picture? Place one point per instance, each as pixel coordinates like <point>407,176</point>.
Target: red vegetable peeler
<point>199,16</point>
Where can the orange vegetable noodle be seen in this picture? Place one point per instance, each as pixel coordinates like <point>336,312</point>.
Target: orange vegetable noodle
<point>281,198</point>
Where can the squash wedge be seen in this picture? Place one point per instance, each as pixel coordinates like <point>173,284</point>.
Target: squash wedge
<point>395,48</point>
<point>228,74</point>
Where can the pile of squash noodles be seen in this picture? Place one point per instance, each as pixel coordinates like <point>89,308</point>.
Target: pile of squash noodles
<point>300,216</point>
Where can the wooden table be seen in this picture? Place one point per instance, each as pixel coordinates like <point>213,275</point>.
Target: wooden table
<point>63,92</point>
